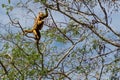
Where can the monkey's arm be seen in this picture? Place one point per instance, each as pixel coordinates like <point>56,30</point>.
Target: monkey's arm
<point>46,13</point>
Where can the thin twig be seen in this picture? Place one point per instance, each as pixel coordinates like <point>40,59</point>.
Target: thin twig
<point>101,69</point>
<point>60,30</point>
<point>104,11</point>
<point>4,68</point>
<point>17,68</point>
<point>42,56</point>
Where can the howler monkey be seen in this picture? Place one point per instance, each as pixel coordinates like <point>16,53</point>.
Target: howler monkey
<point>38,24</point>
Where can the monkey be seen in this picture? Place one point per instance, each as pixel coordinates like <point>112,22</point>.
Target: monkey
<point>38,24</point>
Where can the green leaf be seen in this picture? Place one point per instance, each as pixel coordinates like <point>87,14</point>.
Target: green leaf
<point>7,12</point>
<point>36,1</point>
<point>9,1</point>
<point>43,1</point>
<point>3,5</point>
<point>60,39</point>
<point>94,46</point>
<point>11,8</point>
<point>18,3</point>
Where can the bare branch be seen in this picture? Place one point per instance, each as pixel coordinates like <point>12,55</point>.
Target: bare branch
<point>101,71</point>
<point>104,11</point>
<point>103,38</point>
<point>19,25</point>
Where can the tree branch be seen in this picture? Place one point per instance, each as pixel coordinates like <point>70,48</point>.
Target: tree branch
<point>4,68</point>
<point>60,30</point>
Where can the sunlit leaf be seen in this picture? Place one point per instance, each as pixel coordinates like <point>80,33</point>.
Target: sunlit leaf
<point>36,1</point>
<point>43,1</point>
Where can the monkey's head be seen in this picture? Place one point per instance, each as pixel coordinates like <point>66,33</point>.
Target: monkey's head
<point>41,14</point>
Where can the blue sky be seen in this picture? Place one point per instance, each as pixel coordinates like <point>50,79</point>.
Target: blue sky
<point>4,18</point>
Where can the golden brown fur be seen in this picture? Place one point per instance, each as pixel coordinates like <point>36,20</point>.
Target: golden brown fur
<point>38,24</point>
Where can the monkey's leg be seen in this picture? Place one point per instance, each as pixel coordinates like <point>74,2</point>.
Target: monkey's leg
<point>28,31</point>
<point>37,34</point>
